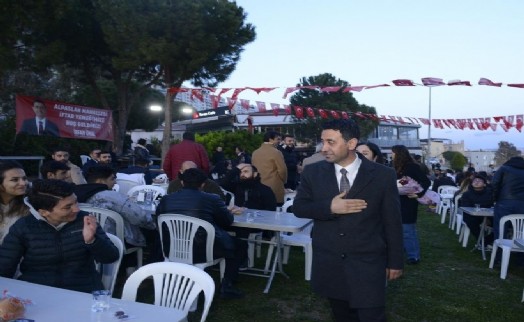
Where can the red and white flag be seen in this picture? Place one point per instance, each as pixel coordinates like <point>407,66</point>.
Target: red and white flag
<point>299,112</point>
<point>458,82</point>
<point>432,81</point>
<point>275,106</point>
<point>516,85</point>
<point>261,106</point>
<point>403,82</point>
<point>244,103</point>
<point>485,81</point>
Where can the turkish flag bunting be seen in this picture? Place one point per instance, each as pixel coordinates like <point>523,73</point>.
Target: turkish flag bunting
<point>335,114</point>
<point>432,81</point>
<point>289,90</point>
<point>330,89</point>
<point>310,112</point>
<point>516,85</point>
<point>222,91</point>
<point>275,106</point>
<point>261,106</point>
<point>174,90</point>
<point>236,92</point>
<point>508,121</point>
<point>424,121</point>
<point>493,126</point>
<point>403,82</point>
<point>375,86</point>
<point>231,102</point>
<point>323,114</point>
<point>261,89</point>
<point>485,81</point>
<point>446,123</point>
<point>275,111</point>
<point>498,118</point>
<point>214,100</point>
<point>244,103</point>
<point>198,94</point>
<point>299,112</point>
<point>459,82</point>
<point>287,108</point>
<point>345,115</point>
<point>452,122</point>
<point>353,89</point>
<point>504,127</point>
<point>383,118</point>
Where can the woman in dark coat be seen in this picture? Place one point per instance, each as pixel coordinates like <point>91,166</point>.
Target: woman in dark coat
<point>405,166</point>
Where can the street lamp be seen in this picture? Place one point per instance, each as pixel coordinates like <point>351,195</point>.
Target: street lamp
<point>156,108</point>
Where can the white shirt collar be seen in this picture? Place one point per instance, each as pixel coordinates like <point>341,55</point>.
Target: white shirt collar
<point>351,168</point>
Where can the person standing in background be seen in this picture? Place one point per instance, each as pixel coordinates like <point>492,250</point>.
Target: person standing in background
<point>357,232</point>
<point>271,165</point>
<point>291,160</point>
<point>508,191</point>
<point>187,150</point>
<point>405,166</point>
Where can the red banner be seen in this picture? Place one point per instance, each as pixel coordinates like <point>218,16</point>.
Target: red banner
<point>53,118</point>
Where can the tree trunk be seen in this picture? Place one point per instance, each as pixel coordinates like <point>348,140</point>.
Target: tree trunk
<point>166,137</point>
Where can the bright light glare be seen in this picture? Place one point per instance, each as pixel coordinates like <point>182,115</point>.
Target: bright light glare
<point>156,108</point>
<point>187,110</point>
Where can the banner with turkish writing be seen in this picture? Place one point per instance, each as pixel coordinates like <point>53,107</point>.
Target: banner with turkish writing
<point>53,118</point>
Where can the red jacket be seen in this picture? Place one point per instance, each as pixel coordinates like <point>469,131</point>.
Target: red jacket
<point>186,150</point>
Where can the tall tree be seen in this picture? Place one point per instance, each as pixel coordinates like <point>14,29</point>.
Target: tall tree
<point>146,42</point>
<point>307,129</point>
<point>505,151</point>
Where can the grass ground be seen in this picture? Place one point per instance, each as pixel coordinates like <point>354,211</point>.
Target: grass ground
<point>450,284</point>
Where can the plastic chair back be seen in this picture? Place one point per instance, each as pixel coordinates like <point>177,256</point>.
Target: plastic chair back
<point>110,271</point>
<point>157,190</point>
<point>176,285</point>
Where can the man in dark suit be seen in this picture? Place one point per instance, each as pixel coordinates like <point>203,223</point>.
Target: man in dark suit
<point>357,232</point>
<point>39,125</point>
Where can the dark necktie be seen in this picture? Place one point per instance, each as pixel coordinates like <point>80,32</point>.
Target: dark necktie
<point>40,127</point>
<point>344,181</point>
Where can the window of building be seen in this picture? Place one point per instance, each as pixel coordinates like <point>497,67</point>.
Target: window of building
<point>407,133</point>
<point>387,132</point>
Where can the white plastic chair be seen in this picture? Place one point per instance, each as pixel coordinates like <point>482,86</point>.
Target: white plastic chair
<point>128,181</point>
<point>110,271</point>
<point>157,190</point>
<point>230,195</point>
<point>445,203</point>
<point>507,245</point>
<point>176,285</point>
<point>102,215</point>
<point>456,215</point>
<point>182,230</point>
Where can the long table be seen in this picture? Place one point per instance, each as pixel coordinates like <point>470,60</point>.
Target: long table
<point>279,222</point>
<point>51,304</point>
<point>482,212</point>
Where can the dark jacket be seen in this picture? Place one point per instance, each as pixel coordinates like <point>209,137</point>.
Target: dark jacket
<point>352,252</point>
<point>86,191</point>
<point>141,154</point>
<point>202,205</point>
<point>409,206</point>
<point>292,161</point>
<point>443,180</point>
<point>58,258</point>
<point>471,197</point>
<point>210,186</point>
<point>508,181</point>
<point>251,193</point>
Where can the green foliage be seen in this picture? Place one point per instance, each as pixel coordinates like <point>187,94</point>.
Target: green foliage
<point>505,152</point>
<point>307,129</point>
<point>456,160</point>
<point>229,141</point>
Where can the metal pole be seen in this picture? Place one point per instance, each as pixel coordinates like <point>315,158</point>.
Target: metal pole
<point>429,127</point>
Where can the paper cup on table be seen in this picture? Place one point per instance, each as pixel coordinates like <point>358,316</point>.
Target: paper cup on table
<point>100,300</point>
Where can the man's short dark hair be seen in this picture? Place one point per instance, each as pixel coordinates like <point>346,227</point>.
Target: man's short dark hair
<point>39,100</point>
<point>142,141</point>
<point>52,166</point>
<point>193,178</point>
<point>45,194</point>
<point>288,136</point>
<point>98,172</point>
<point>59,149</point>
<point>348,128</point>
<point>270,135</point>
<point>188,136</point>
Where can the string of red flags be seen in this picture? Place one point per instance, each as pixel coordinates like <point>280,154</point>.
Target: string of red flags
<point>478,123</point>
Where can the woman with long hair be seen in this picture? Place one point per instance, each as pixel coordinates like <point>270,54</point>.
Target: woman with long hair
<point>371,151</point>
<point>405,166</point>
<point>13,186</point>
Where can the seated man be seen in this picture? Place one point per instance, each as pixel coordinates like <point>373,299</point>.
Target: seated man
<point>141,166</point>
<point>58,244</point>
<point>62,155</point>
<point>442,179</point>
<point>94,157</point>
<point>190,201</point>
<point>55,170</point>
<point>97,192</point>
<point>210,186</point>
<point>244,182</point>
<point>477,193</point>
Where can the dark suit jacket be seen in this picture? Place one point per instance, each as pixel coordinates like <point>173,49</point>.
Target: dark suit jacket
<point>29,127</point>
<point>351,252</point>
